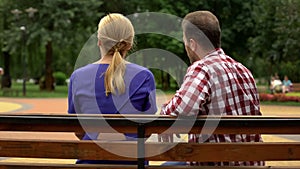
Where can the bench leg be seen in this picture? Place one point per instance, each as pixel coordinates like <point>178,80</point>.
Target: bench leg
<point>141,146</point>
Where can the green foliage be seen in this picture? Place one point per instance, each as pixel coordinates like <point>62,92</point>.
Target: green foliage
<point>60,78</point>
<point>276,38</point>
<point>291,69</point>
<point>68,24</point>
<point>264,35</point>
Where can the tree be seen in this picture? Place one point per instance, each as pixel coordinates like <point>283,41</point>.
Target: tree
<point>59,17</point>
<point>6,79</point>
<point>253,32</point>
<point>234,16</point>
<point>54,27</point>
<point>276,36</point>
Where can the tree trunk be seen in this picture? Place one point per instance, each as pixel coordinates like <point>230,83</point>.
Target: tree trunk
<point>49,79</point>
<point>165,80</point>
<point>6,79</point>
<point>162,79</point>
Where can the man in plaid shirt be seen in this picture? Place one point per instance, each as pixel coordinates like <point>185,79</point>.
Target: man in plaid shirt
<point>214,84</point>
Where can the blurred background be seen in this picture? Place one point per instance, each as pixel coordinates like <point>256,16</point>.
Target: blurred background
<point>41,40</point>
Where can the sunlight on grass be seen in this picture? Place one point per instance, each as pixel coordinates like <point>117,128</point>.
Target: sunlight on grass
<point>280,103</point>
<point>293,94</point>
<point>33,91</point>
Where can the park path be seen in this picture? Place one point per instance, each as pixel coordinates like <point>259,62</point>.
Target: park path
<point>60,105</point>
<point>36,105</point>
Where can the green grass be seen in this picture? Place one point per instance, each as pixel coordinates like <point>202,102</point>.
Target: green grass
<point>293,94</point>
<point>280,103</point>
<point>33,91</point>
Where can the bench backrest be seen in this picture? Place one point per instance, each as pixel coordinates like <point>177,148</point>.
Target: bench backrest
<point>141,150</point>
<point>295,87</point>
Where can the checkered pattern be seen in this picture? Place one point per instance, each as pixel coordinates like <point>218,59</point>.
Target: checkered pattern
<point>217,85</point>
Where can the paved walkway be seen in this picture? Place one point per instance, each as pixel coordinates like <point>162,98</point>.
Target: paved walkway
<point>34,106</point>
<point>59,106</point>
<point>44,106</point>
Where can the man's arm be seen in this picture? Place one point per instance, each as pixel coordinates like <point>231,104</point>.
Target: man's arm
<point>192,94</point>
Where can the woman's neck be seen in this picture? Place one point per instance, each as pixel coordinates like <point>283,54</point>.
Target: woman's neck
<point>104,60</point>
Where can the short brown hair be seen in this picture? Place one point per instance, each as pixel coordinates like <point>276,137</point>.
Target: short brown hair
<point>203,22</point>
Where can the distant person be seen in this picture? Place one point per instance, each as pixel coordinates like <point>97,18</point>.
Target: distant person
<point>112,85</point>
<point>1,71</point>
<point>276,85</point>
<point>215,84</point>
<point>286,87</point>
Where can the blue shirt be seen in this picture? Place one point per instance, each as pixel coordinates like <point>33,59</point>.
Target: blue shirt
<point>287,82</point>
<point>87,94</point>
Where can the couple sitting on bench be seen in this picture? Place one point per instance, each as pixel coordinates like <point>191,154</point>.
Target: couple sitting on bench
<point>280,87</point>
<point>215,84</point>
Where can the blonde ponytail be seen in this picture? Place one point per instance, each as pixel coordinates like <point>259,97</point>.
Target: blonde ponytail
<point>114,75</point>
<point>116,33</point>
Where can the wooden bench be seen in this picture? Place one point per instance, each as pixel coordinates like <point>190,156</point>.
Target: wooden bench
<point>140,150</point>
<point>295,87</point>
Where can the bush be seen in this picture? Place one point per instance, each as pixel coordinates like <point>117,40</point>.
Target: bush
<point>60,78</point>
<point>278,97</point>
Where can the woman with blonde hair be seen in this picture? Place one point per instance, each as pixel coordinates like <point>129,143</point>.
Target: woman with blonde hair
<point>112,85</point>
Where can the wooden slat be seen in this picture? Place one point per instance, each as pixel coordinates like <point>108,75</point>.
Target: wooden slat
<point>65,123</point>
<point>5,165</point>
<point>225,130</point>
<point>211,152</point>
<point>206,152</point>
<point>153,124</point>
<point>67,149</point>
<point>222,167</point>
<point>9,165</point>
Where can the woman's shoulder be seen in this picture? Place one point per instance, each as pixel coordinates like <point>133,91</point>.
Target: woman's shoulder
<point>135,66</point>
<point>89,68</point>
<point>138,71</point>
<point>138,68</point>
<point>85,70</point>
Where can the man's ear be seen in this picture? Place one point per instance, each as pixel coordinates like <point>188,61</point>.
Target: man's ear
<point>192,44</point>
<point>99,43</point>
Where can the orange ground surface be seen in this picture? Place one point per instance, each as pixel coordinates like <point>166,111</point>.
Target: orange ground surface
<point>59,106</point>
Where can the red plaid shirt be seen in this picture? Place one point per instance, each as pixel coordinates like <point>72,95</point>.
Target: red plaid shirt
<point>217,85</point>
